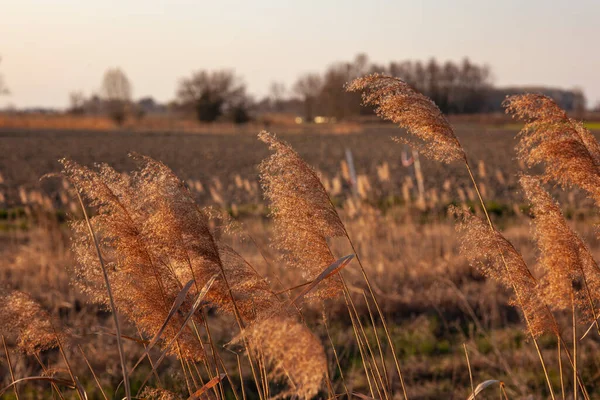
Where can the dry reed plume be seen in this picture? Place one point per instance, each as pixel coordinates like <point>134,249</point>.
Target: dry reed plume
<point>158,394</point>
<point>303,215</point>
<point>568,151</point>
<point>569,266</point>
<point>155,239</point>
<point>497,258</point>
<point>294,354</point>
<point>483,245</point>
<point>396,101</point>
<point>27,324</point>
<point>304,218</point>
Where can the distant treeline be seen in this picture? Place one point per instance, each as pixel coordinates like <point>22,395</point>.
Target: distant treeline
<point>456,87</point>
<point>461,87</point>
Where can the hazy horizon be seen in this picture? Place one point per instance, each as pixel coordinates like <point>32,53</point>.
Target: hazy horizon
<point>49,50</point>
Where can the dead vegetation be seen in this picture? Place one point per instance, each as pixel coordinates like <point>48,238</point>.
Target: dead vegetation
<point>337,296</point>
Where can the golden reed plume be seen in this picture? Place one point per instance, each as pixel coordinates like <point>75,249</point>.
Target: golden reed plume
<point>155,239</point>
<point>293,354</point>
<point>25,322</point>
<point>160,394</point>
<point>568,151</point>
<point>303,215</point>
<point>569,266</point>
<point>396,101</point>
<point>497,258</point>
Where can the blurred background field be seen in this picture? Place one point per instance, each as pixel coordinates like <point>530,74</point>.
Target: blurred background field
<point>220,164</point>
<point>433,299</point>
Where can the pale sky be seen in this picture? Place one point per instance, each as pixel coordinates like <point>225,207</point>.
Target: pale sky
<point>53,47</point>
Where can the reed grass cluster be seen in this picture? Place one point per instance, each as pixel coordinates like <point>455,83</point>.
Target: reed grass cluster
<point>569,154</point>
<point>167,271</point>
<point>151,255</point>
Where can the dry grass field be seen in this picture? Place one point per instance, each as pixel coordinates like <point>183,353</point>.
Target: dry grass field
<point>218,160</point>
<point>443,321</point>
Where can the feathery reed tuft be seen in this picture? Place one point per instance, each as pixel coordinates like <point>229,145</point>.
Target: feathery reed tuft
<point>497,258</point>
<point>304,217</point>
<point>293,354</point>
<point>396,101</point>
<point>159,394</point>
<point>25,322</point>
<point>570,267</point>
<point>568,151</point>
<point>154,239</point>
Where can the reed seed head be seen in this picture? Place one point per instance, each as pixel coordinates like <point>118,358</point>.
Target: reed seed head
<point>25,322</point>
<point>304,217</point>
<point>569,267</point>
<point>396,101</point>
<point>293,354</point>
<point>159,394</point>
<point>569,152</point>
<point>489,251</point>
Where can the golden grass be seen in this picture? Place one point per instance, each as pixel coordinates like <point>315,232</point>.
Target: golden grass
<point>161,264</point>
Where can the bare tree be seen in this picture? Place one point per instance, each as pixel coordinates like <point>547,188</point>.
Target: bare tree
<point>212,94</point>
<point>77,102</point>
<point>333,99</point>
<point>454,87</point>
<point>3,87</point>
<point>309,87</point>
<point>116,91</point>
<point>276,95</point>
